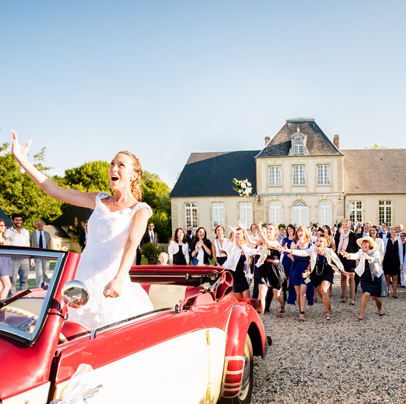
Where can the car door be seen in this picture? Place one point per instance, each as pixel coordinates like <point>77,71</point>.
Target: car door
<point>162,358</point>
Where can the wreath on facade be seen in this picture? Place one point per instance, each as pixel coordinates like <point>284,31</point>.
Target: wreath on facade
<point>243,187</point>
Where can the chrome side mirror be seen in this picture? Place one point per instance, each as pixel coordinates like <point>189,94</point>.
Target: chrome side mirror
<point>75,294</point>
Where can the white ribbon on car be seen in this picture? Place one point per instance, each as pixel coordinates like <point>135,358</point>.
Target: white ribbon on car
<point>80,388</point>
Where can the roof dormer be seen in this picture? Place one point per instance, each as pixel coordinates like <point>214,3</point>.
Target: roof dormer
<point>298,144</point>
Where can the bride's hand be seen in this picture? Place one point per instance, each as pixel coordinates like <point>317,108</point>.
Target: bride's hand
<point>19,152</point>
<point>113,288</point>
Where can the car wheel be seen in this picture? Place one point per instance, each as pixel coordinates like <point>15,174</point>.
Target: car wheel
<point>244,396</point>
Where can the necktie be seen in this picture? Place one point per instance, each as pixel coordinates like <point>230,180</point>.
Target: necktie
<point>40,244</point>
<point>151,234</point>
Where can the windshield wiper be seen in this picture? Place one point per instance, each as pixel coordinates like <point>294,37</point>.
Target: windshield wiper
<point>6,302</point>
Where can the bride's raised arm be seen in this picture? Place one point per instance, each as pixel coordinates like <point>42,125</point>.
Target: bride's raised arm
<point>72,196</point>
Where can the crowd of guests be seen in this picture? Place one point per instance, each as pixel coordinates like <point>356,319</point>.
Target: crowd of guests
<point>12,268</point>
<point>294,265</point>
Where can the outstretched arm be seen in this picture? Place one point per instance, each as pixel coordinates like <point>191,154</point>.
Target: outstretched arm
<point>138,226</point>
<point>71,196</point>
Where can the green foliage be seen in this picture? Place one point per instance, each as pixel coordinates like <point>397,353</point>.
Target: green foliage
<point>156,195</point>
<point>150,251</point>
<point>19,194</point>
<point>90,177</point>
<point>76,229</point>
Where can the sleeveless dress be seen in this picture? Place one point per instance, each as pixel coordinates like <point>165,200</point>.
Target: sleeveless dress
<point>272,273</point>
<point>322,272</point>
<point>373,287</point>
<point>299,265</point>
<point>391,262</point>
<point>99,264</point>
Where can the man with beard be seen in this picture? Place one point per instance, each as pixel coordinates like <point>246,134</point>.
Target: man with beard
<point>18,236</point>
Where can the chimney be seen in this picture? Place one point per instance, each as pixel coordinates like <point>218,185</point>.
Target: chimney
<point>336,141</point>
<point>267,139</point>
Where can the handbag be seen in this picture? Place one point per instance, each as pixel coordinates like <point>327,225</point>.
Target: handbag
<point>195,261</point>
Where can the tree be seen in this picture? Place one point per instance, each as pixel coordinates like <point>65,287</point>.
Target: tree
<point>90,177</point>
<point>374,147</point>
<point>19,194</point>
<point>156,195</point>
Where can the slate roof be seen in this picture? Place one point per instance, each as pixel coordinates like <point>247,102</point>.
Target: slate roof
<point>6,219</point>
<point>68,218</point>
<point>211,174</point>
<point>376,171</point>
<point>317,142</point>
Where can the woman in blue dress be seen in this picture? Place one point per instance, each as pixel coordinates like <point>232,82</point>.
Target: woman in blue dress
<point>287,259</point>
<point>299,287</point>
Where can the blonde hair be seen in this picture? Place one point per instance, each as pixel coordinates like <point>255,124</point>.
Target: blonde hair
<point>164,256</point>
<point>242,238</point>
<point>136,189</point>
<point>275,228</point>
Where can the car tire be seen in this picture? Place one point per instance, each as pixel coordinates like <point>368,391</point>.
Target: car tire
<point>244,396</point>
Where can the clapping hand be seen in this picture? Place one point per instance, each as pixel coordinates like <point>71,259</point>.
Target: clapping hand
<point>113,288</point>
<point>19,152</point>
<point>241,225</point>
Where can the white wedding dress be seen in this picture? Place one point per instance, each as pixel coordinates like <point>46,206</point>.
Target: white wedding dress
<point>99,264</point>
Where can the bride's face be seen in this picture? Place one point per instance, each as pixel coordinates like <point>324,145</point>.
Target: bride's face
<point>121,172</point>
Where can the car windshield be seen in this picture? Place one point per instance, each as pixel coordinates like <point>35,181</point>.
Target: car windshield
<point>23,315</point>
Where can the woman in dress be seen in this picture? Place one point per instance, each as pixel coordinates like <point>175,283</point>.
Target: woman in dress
<point>303,288</point>
<point>402,272</point>
<point>178,249</point>
<point>270,267</point>
<point>238,253</point>
<point>327,230</point>
<point>219,246</point>
<point>116,227</point>
<point>6,267</point>
<point>201,247</point>
<point>374,234</point>
<point>347,240</point>
<point>392,261</point>
<point>287,259</point>
<point>369,271</point>
<point>323,262</point>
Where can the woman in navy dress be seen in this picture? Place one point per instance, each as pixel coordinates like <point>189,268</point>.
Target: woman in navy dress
<point>287,259</point>
<point>323,261</point>
<point>369,271</point>
<point>302,288</point>
<point>393,261</point>
<point>6,269</point>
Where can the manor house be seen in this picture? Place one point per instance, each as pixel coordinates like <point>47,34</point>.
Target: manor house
<point>300,176</point>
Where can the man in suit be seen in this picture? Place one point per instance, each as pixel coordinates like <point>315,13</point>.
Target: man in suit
<point>40,238</point>
<point>365,230</point>
<point>189,237</point>
<point>150,235</point>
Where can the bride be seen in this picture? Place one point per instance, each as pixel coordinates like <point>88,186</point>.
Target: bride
<point>115,229</point>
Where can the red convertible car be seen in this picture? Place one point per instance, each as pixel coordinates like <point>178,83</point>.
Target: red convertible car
<point>196,346</point>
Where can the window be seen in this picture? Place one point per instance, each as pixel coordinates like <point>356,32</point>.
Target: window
<point>275,176</point>
<point>324,213</point>
<point>218,214</point>
<point>299,175</point>
<point>385,212</point>
<point>246,213</point>
<point>191,214</point>
<point>356,211</point>
<point>300,214</point>
<point>323,175</point>
<point>298,148</point>
<point>275,212</point>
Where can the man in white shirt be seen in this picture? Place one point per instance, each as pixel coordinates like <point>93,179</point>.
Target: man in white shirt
<point>40,238</point>
<point>19,236</point>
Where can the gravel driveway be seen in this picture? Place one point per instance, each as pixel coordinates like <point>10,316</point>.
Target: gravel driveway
<point>341,361</point>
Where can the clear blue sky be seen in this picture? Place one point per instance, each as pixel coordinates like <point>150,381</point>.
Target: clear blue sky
<point>167,78</point>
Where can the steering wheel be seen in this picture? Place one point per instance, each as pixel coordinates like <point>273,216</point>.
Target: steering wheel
<point>18,311</point>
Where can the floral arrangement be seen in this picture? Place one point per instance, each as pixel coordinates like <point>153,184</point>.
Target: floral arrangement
<point>243,187</point>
